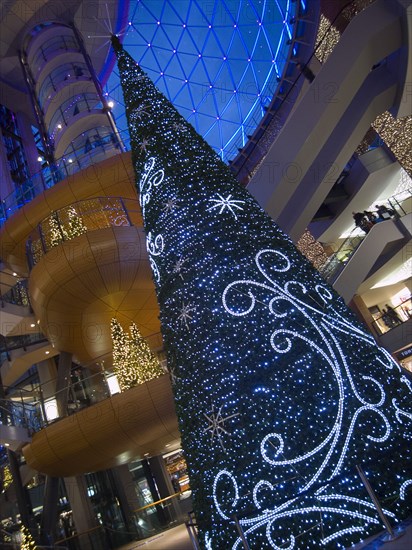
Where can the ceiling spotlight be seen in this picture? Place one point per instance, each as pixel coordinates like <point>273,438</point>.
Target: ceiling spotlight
<point>110,104</point>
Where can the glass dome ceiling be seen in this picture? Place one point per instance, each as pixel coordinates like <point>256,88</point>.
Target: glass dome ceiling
<point>217,61</point>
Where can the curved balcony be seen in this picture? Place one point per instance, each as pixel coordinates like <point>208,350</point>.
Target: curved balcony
<point>63,74</point>
<point>77,157</point>
<point>89,264</point>
<point>112,176</point>
<point>73,106</point>
<point>56,45</point>
<point>139,421</point>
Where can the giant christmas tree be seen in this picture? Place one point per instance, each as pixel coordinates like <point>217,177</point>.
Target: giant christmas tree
<point>279,391</point>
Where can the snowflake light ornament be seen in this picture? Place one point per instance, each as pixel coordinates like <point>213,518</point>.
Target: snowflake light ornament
<point>178,267</point>
<point>216,424</point>
<point>184,315</point>
<point>226,203</point>
<point>170,205</point>
<point>143,145</point>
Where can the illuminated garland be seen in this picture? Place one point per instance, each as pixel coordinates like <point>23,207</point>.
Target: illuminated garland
<point>279,391</point>
<point>7,478</point>
<point>27,541</point>
<point>56,232</point>
<point>312,249</point>
<point>133,361</point>
<point>76,226</point>
<point>396,133</point>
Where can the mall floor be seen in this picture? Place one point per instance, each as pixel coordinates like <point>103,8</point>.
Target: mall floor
<point>178,538</point>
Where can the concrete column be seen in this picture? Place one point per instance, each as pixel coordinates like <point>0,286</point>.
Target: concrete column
<point>83,515</point>
<point>63,381</point>
<point>47,372</point>
<point>126,493</point>
<point>358,306</point>
<point>22,496</point>
<point>7,185</point>
<point>49,515</point>
<point>154,491</point>
<point>164,485</point>
<point>29,145</point>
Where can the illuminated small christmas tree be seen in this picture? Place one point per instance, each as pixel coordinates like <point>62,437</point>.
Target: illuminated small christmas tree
<point>56,232</point>
<point>133,361</point>
<point>280,392</point>
<point>6,478</point>
<point>27,541</point>
<point>76,226</point>
<point>146,364</point>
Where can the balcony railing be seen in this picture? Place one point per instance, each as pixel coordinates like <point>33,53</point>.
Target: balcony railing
<point>63,73</point>
<point>50,48</point>
<point>386,321</point>
<point>17,294</point>
<point>337,261</point>
<point>42,406</point>
<point>21,414</point>
<point>74,220</point>
<point>254,150</point>
<point>77,160</point>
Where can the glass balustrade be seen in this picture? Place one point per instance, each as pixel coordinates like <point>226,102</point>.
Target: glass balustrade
<point>74,220</point>
<point>80,103</point>
<point>42,406</point>
<point>50,48</point>
<point>21,414</point>
<point>398,205</point>
<point>17,294</point>
<point>68,72</point>
<point>77,159</point>
<point>384,321</point>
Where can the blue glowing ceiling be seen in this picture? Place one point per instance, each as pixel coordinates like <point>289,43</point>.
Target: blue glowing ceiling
<point>218,61</point>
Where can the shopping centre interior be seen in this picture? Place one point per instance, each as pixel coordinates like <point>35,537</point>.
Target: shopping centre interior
<point>310,105</point>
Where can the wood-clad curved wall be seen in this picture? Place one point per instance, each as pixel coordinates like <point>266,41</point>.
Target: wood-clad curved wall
<point>79,285</point>
<point>127,425</point>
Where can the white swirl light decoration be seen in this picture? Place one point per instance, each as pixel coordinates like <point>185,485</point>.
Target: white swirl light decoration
<point>155,247</point>
<point>399,412</point>
<point>148,180</point>
<point>354,500</point>
<point>330,357</point>
<point>155,269</point>
<point>269,518</point>
<point>402,489</point>
<point>352,427</point>
<point>279,269</point>
<point>349,374</point>
<point>328,348</point>
<point>334,433</point>
<point>407,382</point>
<point>208,541</point>
<point>259,485</point>
<point>323,292</point>
<point>277,451</point>
<point>215,482</point>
